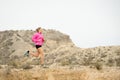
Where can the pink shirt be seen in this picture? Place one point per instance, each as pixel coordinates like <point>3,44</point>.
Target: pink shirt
<point>38,38</point>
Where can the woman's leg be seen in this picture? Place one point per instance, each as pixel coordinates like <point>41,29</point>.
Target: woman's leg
<point>41,54</point>
<point>34,54</point>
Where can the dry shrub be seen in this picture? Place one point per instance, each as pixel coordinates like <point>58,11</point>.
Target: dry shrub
<point>98,65</point>
<point>110,62</point>
<point>117,62</point>
<point>66,62</point>
<point>87,61</point>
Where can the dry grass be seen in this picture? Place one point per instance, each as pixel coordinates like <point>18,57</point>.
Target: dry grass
<point>60,74</point>
<point>15,76</point>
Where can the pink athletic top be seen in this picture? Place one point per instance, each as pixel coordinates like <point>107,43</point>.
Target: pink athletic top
<point>38,38</point>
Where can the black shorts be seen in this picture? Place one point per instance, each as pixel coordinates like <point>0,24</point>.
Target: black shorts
<point>38,46</point>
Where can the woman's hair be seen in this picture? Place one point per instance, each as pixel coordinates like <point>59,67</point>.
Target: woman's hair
<point>38,29</point>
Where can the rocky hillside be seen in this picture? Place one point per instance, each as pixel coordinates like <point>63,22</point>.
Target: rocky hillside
<point>15,43</point>
<point>59,50</point>
<point>93,57</point>
<point>64,59</point>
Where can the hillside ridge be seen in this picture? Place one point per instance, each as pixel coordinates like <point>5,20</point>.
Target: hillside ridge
<point>64,59</point>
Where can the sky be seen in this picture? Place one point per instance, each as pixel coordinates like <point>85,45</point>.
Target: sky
<point>89,23</point>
